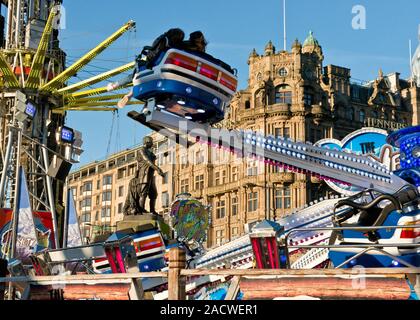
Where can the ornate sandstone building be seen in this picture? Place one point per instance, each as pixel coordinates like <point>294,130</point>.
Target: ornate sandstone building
<point>289,93</point>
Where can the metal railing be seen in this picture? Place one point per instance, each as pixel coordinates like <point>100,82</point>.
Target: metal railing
<point>366,246</point>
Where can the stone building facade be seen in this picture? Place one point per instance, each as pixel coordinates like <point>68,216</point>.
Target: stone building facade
<point>289,93</point>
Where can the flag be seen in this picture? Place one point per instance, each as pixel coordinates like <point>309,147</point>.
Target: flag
<point>74,237</point>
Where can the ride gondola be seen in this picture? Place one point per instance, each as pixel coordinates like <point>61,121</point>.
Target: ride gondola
<point>190,84</point>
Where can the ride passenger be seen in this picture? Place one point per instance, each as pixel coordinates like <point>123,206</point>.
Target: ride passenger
<point>196,42</point>
<point>173,38</point>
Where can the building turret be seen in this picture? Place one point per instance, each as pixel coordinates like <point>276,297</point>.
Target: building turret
<point>269,49</point>
<point>296,46</point>
<point>311,45</point>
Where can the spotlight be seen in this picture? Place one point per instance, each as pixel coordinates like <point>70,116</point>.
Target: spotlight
<point>201,111</point>
<point>181,102</point>
<point>25,109</point>
<point>30,109</point>
<point>67,135</point>
<point>160,106</point>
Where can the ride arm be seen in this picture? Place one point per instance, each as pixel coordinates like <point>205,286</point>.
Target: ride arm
<point>9,77</point>
<point>98,78</point>
<point>83,61</point>
<point>33,80</point>
<point>91,92</point>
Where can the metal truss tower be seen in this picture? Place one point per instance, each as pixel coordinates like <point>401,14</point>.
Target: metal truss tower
<point>34,100</point>
<point>30,56</point>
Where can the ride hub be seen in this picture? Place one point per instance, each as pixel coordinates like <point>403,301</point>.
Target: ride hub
<point>408,140</point>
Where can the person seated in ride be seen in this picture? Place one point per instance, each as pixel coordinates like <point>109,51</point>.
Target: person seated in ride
<point>196,42</point>
<point>173,38</point>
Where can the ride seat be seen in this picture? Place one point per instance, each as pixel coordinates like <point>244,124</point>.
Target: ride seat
<point>370,214</point>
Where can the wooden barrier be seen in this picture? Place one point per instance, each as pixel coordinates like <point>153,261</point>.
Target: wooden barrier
<point>379,283</point>
<point>176,282</point>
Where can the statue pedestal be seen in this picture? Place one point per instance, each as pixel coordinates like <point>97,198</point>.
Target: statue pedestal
<point>143,222</point>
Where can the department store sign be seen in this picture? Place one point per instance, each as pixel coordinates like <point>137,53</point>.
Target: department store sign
<point>366,141</point>
<point>383,124</point>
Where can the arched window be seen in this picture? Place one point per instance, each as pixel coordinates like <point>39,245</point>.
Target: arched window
<point>283,94</point>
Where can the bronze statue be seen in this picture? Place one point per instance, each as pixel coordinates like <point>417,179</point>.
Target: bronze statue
<point>143,184</point>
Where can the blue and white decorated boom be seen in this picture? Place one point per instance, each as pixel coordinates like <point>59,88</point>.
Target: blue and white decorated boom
<point>300,157</point>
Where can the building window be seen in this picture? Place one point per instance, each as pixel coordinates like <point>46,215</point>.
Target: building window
<point>184,161</point>
<point>199,182</point>
<point>307,99</point>
<point>283,94</point>
<point>223,176</point>
<point>220,209</point>
<point>252,168</point>
<point>350,114</point>
<point>87,186</point>
<point>247,104</point>
<point>362,116</point>
<point>107,180</point>
<point>98,184</point>
<point>235,231</point>
<point>165,199</point>
<point>120,208</point>
<point>121,191</point>
<point>355,92</point>
<point>184,186</point>
<point>106,212</point>
<point>282,198</point>
<point>220,237</point>
<point>86,202</point>
<point>217,178</point>
<point>131,169</point>
<point>286,133</point>
<point>121,173</point>
<point>74,192</point>
<point>282,132</point>
<point>283,72</point>
<point>85,217</point>
<point>252,201</point>
<point>165,178</point>
<point>235,206</point>
<point>234,174</point>
<point>199,157</point>
<point>107,196</point>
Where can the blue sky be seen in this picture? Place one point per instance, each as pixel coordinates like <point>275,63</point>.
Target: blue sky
<point>233,28</point>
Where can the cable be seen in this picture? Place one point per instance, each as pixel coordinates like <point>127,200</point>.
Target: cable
<point>110,134</point>
<point>118,136</point>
